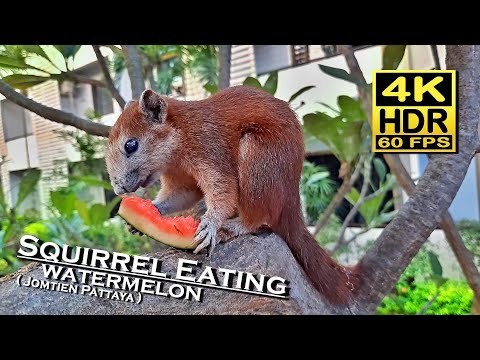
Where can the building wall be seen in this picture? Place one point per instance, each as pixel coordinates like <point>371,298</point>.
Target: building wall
<point>242,63</point>
<point>4,178</point>
<point>271,57</point>
<point>52,151</point>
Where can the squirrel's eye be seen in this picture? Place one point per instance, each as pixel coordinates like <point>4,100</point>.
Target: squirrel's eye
<point>131,146</point>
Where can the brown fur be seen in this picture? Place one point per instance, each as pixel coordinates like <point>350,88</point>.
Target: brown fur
<point>243,149</point>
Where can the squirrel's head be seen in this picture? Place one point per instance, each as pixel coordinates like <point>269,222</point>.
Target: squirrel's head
<point>141,144</point>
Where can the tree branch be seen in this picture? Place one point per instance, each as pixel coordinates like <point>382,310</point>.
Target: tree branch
<point>363,192</point>
<point>224,63</point>
<point>108,79</point>
<point>134,67</point>
<point>436,59</point>
<point>402,238</point>
<point>52,114</point>
<point>348,182</point>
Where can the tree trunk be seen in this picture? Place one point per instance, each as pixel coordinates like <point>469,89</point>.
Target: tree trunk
<point>224,63</point>
<point>134,68</point>
<point>463,256</point>
<point>386,260</point>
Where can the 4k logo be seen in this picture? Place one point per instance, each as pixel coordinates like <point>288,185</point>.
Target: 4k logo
<point>414,111</point>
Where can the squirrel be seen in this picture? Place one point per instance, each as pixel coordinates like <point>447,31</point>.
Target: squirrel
<point>241,149</point>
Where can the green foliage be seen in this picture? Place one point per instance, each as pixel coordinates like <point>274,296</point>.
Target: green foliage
<point>269,86</point>
<point>341,74</point>
<point>300,92</point>
<point>409,298</point>
<point>317,189</point>
<point>23,66</point>
<point>342,133</point>
<point>392,56</point>
<point>12,221</point>
<point>373,210</point>
<point>470,232</point>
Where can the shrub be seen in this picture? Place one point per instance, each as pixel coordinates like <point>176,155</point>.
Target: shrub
<point>454,297</point>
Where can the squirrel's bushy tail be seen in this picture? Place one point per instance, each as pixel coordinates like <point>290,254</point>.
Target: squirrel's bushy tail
<point>332,280</point>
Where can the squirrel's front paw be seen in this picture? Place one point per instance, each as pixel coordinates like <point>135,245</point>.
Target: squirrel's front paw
<point>207,230</point>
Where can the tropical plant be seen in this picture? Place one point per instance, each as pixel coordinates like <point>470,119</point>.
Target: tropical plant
<point>12,220</point>
<point>316,188</point>
<point>22,66</point>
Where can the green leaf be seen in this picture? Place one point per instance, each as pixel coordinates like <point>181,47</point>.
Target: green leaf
<point>300,92</point>
<point>7,62</point>
<point>211,88</point>
<point>341,74</point>
<point>435,264</point>
<point>92,181</point>
<point>3,204</point>
<point>23,82</point>
<point>380,169</point>
<point>99,213</point>
<point>251,81</point>
<point>271,84</point>
<point>68,50</point>
<point>317,177</point>
<point>35,49</point>
<point>65,204</point>
<point>351,108</point>
<point>38,230</point>
<point>341,136</point>
<point>27,185</point>
<point>392,56</point>
<point>82,210</point>
<point>353,196</point>
<point>6,232</point>
<point>55,57</point>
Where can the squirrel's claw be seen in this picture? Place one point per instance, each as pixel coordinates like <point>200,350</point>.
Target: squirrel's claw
<point>133,230</point>
<point>208,232</point>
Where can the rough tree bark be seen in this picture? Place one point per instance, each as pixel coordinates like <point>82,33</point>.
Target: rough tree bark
<point>463,256</point>
<point>256,254</point>
<point>224,60</point>
<point>108,79</point>
<point>52,114</point>
<point>403,237</point>
<point>134,68</point>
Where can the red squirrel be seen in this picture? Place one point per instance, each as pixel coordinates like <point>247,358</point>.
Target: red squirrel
<point>242,150</point>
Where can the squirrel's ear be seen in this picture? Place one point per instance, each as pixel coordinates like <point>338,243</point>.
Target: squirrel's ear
<point>153,106</point>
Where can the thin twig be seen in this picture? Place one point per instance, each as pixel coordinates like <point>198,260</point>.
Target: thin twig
<point>367,169</point>
<point>348,182</point>
<point>428,304</point>
<point>108,79</point>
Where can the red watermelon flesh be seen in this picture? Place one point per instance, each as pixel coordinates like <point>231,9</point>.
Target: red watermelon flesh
<point>143,215</point>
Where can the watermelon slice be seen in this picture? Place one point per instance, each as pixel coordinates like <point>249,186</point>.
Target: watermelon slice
<point>143,215</point>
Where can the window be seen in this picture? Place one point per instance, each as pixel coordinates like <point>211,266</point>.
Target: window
<point>16,121</point>
<point>302,54</point>
<point>102,100</point>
